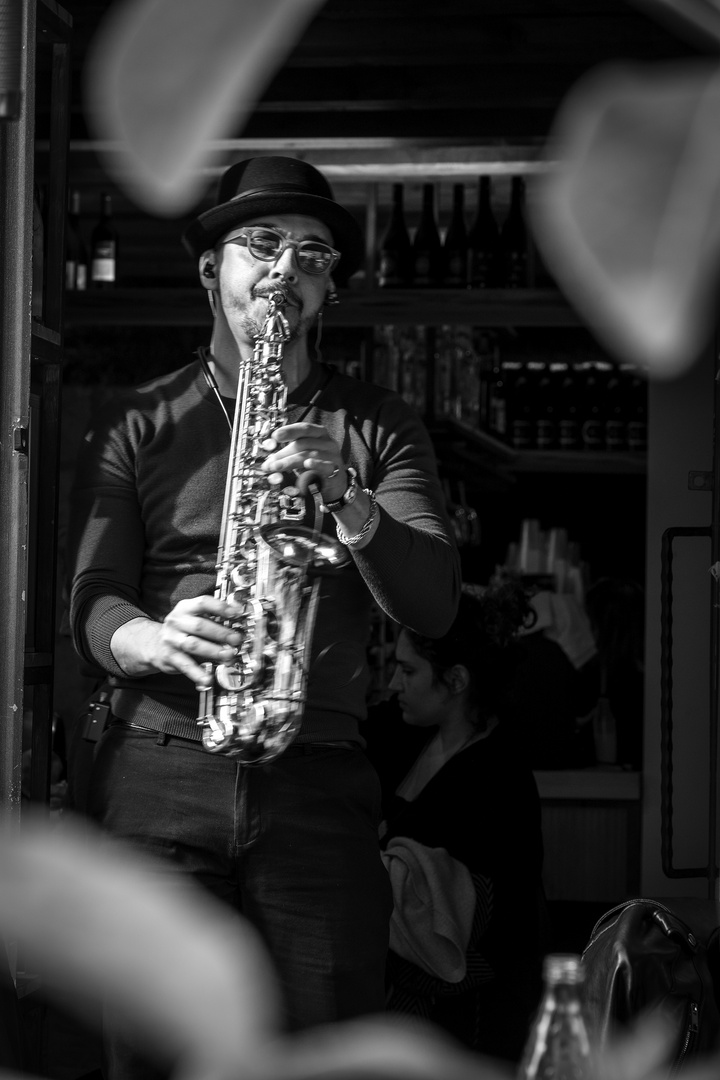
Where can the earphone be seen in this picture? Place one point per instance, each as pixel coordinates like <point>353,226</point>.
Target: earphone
<point>208,270</point>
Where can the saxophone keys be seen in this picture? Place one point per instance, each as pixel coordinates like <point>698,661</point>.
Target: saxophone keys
<point>207,680</point>
<point>215,735</point>
<point>242,582</point>
<point>230,677</point>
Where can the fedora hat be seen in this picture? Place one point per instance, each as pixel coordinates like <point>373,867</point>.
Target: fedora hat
<point>276,185</point>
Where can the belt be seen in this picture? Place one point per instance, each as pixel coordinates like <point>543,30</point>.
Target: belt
<point>293,750</point>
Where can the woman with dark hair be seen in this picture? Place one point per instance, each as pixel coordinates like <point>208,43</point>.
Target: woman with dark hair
<point>462,837</point>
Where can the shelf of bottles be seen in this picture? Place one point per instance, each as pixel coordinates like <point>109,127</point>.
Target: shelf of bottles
<point>536,400</point>
<point>460,317</point>
<point>546,401</point>
<point>485,255</point>
<point>91,266</point>
<point>455,271</point>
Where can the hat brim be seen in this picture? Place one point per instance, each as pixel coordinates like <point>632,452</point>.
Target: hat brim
<point>204,233</point>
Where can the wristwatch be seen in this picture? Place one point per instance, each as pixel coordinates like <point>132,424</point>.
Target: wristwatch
<point>347,497</point>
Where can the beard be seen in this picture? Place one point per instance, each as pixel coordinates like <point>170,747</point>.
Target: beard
<point>251,321</point>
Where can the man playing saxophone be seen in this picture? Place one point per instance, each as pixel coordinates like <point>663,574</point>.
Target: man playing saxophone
<point>289,839</point>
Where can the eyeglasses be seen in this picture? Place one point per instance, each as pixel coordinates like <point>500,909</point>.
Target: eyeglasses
<point>313,256</point>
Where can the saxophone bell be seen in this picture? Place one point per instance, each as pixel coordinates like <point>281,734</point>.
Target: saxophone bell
<point>301,546</point>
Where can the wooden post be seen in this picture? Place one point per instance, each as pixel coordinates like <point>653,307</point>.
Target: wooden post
<point>16,226</point>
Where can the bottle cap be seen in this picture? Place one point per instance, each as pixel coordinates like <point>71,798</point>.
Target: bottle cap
<point>563,967</point>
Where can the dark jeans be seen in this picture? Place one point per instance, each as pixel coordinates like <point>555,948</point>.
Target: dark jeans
<point>292,845</point>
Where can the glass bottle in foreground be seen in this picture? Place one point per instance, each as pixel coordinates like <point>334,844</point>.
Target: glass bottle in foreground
<point>558,1045</point>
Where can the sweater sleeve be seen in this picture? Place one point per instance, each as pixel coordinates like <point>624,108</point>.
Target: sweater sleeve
<point>105,546</point>
<point>411,565</point>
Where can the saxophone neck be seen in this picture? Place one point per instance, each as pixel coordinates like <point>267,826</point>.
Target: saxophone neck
<point>276,300</point>
<point>276,327</point>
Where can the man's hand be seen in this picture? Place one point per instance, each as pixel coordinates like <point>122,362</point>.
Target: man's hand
<point>192,634</point>
<point>308,451</point>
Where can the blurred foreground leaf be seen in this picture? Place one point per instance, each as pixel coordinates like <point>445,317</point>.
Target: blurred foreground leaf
<point>629,221</point>
<point>165,77</point>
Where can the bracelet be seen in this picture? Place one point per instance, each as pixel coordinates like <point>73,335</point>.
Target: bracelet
<point>350,540</point>
<point>347,497</point>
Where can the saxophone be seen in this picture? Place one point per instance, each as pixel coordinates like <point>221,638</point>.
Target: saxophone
<point>252,708</point>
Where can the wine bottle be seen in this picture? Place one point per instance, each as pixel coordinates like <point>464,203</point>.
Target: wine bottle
<point>455,246</point>
<point>483,241</point>
<point>615,433</point>
<point>592,429</point>
<point>104,247</point>
<point>521,405</point>
<point>426,246</point>
<point>513,239</point>
<point>498,399</point>
<point>637,401</point>
<point>394,254</point>
<point>76,259</point>
<point>487,353</point>
<point>568,399</point>
<point>545,434</point>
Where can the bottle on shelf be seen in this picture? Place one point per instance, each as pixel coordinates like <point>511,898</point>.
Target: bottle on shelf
<point>455,245</point>
<point>592,435</point>
<point>426,246</point>
<point>497,404</point>
<point>104,247</point>
<point>468,377</point>
<point>514,240</point>
<point>558,1045</point>
<point>615,410</point>
<point>568,427</point>
<point>76,257</point>
<point>546,412</point>
<point>486,349</point>
<point>518,406</point>
<point>483,240</point>
<point>446,373</point>
<point>522,405</point>
<point>394,252</point>
<point>637,405</point>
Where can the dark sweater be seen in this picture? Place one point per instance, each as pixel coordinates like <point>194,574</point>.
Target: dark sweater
<point>146,516</point>
<point>483,808</point>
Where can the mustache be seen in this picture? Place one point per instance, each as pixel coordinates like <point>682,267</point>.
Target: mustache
<point>290,296</point>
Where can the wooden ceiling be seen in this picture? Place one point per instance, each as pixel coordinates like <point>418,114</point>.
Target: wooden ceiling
<point>463,70</point>
<point>375,82</point>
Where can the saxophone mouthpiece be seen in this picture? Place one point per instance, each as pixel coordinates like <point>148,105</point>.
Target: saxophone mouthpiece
<point>278,298</point>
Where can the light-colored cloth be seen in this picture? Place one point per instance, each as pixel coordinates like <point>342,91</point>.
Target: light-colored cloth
<point>433,907</point>
<point>564,621</point>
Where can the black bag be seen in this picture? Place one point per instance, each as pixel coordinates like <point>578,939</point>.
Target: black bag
<point>643,958</point>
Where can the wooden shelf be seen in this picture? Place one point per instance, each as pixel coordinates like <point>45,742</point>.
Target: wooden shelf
<point>187,306</point>
<point>581,461</point>
<point>597,783</point>
<point>44,333</point>
<point>586,462</point>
